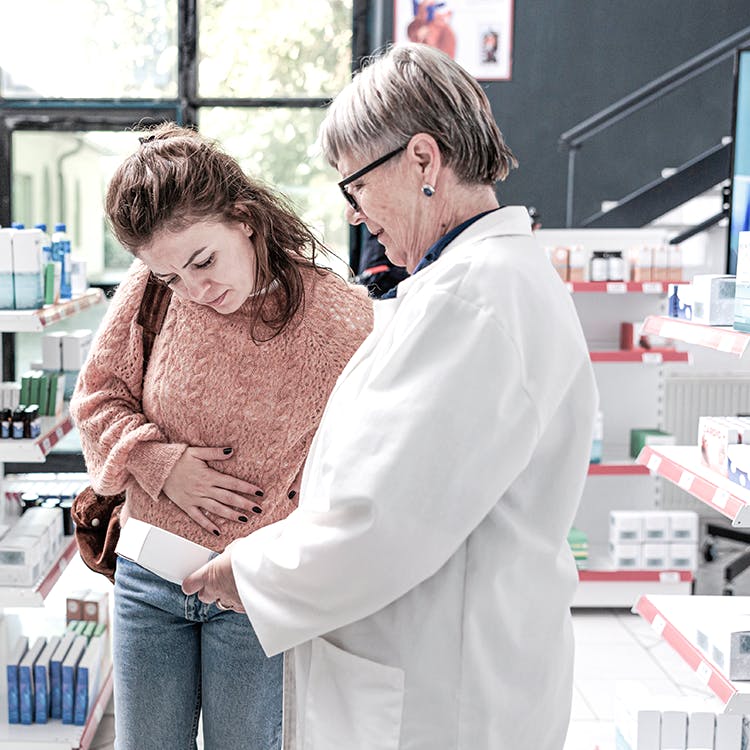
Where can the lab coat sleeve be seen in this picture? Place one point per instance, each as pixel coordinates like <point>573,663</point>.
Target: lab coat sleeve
<point>403,468</point>
<point>118,442</point>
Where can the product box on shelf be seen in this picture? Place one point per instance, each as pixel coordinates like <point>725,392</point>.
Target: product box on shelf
<point>741,320</point>
<point>96,607</point>
<point>683,526</point>
<point>640,257</point>
<point>660,263</point>
<point>41,681</point>
<point>26,680</point>
<point>20,560</point>
<point>726,641</point>
<point>654,556</point>
<point>682,556</point>
<point>55,673</point>
<point>625,555</point>
<point>643,436</point>
<point>28,269</point>
<point>15,656</point>
<point>713,299</point>
<point>74,605</point>
<point>715,434</point>
<point>52,350</point>
<point>625,526</point>
<point>75,349</point>
<point>69,669</point>
<point>655,526</point>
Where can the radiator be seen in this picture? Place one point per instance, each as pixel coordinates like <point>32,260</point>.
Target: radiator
<point>686,399</point>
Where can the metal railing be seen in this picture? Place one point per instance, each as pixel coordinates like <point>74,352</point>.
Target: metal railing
<point>574,138</point>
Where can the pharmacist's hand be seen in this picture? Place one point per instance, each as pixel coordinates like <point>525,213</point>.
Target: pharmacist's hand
<point>214,582</point>
<point>195,488</point>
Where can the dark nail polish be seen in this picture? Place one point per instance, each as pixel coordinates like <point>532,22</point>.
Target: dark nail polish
<point>243,519</point>
<point>259,493</point>
<point>227,451</point>
<point>292,494</point>
<point>217,532</point>
<point>256,509</point>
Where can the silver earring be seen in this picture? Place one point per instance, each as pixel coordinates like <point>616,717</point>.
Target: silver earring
<point>428,190</point>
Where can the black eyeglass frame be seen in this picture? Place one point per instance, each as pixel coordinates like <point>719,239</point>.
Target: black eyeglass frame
<point>360,172</point>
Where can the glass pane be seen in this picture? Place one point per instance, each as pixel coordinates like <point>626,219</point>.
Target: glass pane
<point>81,49</point>
<point>269,48</point>
<point>62,177</point>
<point>278,145</point>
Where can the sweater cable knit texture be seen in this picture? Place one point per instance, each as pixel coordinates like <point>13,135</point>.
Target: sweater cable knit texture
<point>209,384</point>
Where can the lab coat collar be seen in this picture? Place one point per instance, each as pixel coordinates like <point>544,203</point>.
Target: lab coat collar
<point>506,221</point>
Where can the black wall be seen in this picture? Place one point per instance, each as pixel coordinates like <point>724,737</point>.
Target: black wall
<point>571,59</point>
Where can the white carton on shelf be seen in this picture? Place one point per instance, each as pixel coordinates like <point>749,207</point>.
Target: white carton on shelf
<point>655,526</point>
<point>682,555</point>
<point>7,297</point>
<point>713,299</point>
<point>52,350</point>
<point>654,556</point>
<point>726,641</point>
<point>20,561</point>
<point>625,526</point>
<point>683,526</point>
<point>625,556</point>
<point>75,348</point>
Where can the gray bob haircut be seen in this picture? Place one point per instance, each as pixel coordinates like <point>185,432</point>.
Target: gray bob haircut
<point>414,88</point>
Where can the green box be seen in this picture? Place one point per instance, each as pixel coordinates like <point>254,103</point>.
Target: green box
<point>643,436</point>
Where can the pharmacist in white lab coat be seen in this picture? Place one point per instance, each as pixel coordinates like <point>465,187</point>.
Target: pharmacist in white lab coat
<point>422,587</point>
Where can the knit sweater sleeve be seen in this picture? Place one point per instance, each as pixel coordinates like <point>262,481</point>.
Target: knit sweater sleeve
<point>119,443</point>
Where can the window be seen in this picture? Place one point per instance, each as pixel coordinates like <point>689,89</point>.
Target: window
<point>242,72</point>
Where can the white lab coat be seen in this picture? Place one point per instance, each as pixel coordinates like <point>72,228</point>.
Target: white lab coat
<point>425,580</point>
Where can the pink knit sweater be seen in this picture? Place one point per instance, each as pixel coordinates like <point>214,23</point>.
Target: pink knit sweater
<point>209,384</point>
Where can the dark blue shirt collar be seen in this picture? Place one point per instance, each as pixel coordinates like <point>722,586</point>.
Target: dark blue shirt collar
<point>436,249</point>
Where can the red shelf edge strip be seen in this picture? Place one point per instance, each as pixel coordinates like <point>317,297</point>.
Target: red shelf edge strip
<point>720,685</point>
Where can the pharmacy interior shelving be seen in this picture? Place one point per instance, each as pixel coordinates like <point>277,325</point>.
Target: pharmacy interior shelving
<point>722,338</point>
<point>630,384</point>
<point>53,735</point>
<point>675,619</point>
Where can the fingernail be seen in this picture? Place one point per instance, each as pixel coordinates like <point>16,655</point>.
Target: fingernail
<point>256,509</point>
<point>259,493</point>
<point>227,451</point>
<point>243,519</point>
<point>292,494</point>
<point>217,532</point>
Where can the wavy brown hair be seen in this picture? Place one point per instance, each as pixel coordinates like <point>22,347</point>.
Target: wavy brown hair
<point>178,177</point>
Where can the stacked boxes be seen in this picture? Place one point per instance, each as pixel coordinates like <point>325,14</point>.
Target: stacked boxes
<point>30,546</point>
<point>653,540</point>
<point>724,443</point>
<point>579,545</point>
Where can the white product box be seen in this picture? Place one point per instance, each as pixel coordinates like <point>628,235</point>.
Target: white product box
<point>28,269</point>
<point>714,435</point>
<point>683,526</point>
<point>649,730</point>
<point>726,641</point>
<point>701,728</point>
<point>728,732</point>
<point>20,561</point>
<point>168,555</point>
<point>682,555</point>
<point>75,349</point>
<point>625,556</point>
<point>674,730</point>
<point>654,556</point>
<point>625,526</point>
<point>96,606</point>
<point>74,605</point>
<point>713,299</point>
<point>738,464</point>
<point>742,289</point>
<point>655,525</point>
<point>52,351</point>
<point>48,522</point>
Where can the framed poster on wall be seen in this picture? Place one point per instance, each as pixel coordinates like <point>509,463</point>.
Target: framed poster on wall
<point>477,34</point>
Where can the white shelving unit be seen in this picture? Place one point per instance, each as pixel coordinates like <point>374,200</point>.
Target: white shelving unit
<point>53,735</point>
<point>674,618</point>
<point>630,397</point>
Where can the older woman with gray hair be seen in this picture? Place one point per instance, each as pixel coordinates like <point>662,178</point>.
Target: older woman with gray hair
<point>422,587</point>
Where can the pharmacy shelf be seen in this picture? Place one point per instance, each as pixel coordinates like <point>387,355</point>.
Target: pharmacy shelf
<point>645,356</point>
<point>674,619</point>
<point>623,468</point>
<point>54,735</point>
<point>34,596</point>
<point>601,585</point>
<point>682,465</point>
<point>34,450</point>
<point>619,287</point>
<point>29,321</point>
<point>722,338</point>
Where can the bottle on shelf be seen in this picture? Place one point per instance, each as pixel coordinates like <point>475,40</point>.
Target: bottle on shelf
<point>61,255</point>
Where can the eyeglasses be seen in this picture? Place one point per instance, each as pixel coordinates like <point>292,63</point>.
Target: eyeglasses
<point>360,172</point>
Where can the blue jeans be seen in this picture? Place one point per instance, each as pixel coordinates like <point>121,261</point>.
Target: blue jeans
<point>175,657</point>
